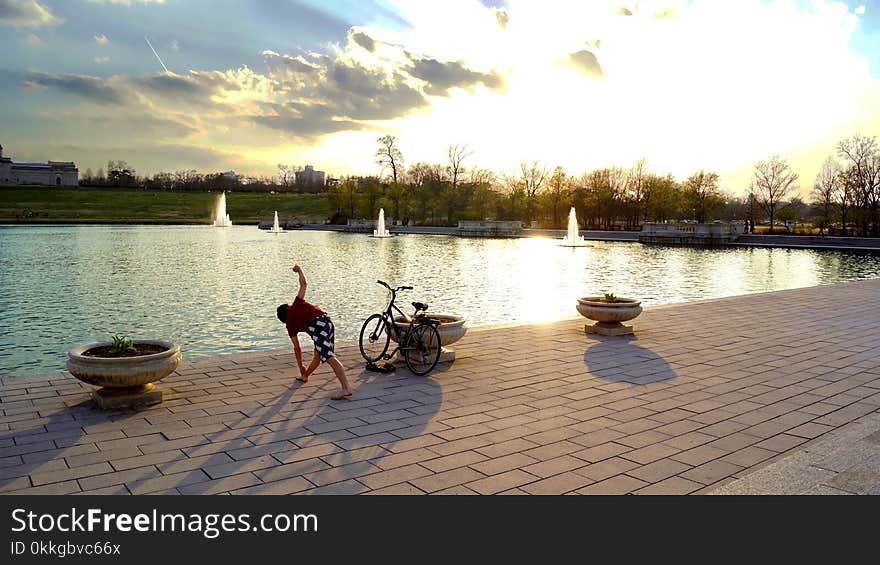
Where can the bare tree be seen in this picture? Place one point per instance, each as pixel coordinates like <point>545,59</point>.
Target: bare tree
<point>457,155</point>
<point>862,157</point>
<point>637,189</point>
<point>773,179</point>
<point>388,156</point>
<point>532,177</point>
<point>844,195</point>
<point>286,175</point>
<point>483,177</point>
<point>825,189</point>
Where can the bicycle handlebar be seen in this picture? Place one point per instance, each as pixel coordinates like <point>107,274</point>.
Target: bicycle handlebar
<point>383,283</point>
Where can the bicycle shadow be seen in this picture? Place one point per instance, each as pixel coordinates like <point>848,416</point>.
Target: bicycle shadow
<point>620,359</point>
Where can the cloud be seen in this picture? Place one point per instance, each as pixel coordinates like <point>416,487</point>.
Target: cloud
<point>101,39</point>
<point>172,85</point>
<point>174,45</point>
<point>440,76</point>
<point>344,88</point>
<point>32,40</point>
<point>26,13</point>
<point>303,120</point>
<point>100,60</point>
<point>204,88</point>
<point>364,41</point>
<point>91,88</point>
<point>151,125</point>
<point>585,61</point>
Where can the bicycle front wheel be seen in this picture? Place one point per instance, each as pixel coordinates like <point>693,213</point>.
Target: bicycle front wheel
<point>374,338</point>
<point>422,349</point>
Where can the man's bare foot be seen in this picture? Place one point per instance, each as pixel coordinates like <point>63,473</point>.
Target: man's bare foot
<point>303,379</point>
<point>341,395</point>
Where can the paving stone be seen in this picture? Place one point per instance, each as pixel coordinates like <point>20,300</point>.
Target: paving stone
<point>711,472</point>
<point>342,473</point>
<point>454,461</point>
<point>404,489</point>
<point>395,476</point>
<point>501,482</point>
<point>671,486</point>
<point>557,484</point>
<point>166,482</point>
<point>291,485</point>
<point>621,484</point>
<point>446,479</point>
<point>658,470</point>
<point>219,486</point>
<point>607,468</point>
<point>503,464</point>
<point>601,452</point>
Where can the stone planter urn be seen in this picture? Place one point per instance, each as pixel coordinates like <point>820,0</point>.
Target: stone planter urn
<point>609,316</point>
<point>124,381</point>
<point>451,329</point>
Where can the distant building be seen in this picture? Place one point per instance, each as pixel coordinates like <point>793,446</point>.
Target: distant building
<point>58,173</point>
<point>310,178</point>
<point>231,175</point>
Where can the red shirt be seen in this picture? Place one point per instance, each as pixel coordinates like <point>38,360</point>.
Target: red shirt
<point>300,314</point>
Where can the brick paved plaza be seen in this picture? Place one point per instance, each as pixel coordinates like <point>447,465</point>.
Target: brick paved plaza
<point>766,393</point>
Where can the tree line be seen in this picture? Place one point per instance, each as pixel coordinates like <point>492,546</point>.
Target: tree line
<point>845,197</point>
<point>119,174</point>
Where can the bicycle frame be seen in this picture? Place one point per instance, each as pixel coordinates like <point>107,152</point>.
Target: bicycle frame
<point>388,316</point>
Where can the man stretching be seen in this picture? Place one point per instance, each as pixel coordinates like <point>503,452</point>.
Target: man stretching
<point>302,316</point>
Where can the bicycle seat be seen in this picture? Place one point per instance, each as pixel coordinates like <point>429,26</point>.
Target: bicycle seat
<point>419,306</point>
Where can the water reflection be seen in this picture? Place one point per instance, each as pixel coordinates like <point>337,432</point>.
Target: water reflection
<point>215,291</point>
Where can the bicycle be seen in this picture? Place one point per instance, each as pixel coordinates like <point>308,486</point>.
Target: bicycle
<point>419,342</point>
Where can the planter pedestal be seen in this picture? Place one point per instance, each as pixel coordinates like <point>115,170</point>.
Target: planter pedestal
<point>447,355</point>
<point>609,328</point>
<point>107,398</point>
<point>609,316</point>
<point>452,328</point>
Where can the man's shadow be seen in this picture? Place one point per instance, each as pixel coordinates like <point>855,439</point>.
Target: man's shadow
<point>351,435</point>
<point>620,359</point>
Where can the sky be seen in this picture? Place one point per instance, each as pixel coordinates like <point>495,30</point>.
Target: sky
<point>246,85</point>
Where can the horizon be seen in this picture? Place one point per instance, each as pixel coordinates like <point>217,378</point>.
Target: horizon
<point>686,85</point>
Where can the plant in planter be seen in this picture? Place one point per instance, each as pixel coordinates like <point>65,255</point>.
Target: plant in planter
<point>124,369</point>
<point>609,312</point>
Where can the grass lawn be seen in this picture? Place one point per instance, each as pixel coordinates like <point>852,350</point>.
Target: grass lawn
<point>49,204</point>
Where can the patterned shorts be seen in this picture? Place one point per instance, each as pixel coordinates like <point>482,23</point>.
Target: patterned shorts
<point>321,331</point>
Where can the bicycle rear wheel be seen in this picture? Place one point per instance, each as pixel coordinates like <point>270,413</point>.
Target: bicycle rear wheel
<point>374,338</point>
<point>422,349</point>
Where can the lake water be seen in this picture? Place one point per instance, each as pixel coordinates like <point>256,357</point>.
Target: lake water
<point>215,290</point>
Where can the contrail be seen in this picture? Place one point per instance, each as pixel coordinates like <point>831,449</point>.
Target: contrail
<point>157,55</point>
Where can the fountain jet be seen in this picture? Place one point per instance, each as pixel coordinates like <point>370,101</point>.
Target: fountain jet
<point>380,230</point>
<point>276,228</point>
<point>222,218</point>
<point>573,239</point>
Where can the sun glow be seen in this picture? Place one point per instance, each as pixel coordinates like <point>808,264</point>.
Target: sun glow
<point>716,86</point>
